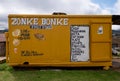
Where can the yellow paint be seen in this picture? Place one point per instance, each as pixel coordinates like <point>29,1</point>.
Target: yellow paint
<point>53,45</point>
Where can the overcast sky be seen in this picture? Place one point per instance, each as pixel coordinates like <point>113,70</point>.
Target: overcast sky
<point>108,7</point>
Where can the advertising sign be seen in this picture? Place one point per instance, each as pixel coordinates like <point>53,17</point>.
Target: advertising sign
<point>79,43</point>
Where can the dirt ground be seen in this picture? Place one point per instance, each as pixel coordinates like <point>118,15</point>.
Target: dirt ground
<point>116,64</point>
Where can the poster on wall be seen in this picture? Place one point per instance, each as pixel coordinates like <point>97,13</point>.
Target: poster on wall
<point>79,43</point>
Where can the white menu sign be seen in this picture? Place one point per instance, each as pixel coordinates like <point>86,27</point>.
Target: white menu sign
<point>79,43</point>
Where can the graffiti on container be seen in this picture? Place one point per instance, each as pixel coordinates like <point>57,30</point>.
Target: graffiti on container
<point>25,34</point>
<point>30,53</point>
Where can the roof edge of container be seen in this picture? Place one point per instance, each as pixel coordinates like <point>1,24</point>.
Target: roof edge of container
<point>46,15</point>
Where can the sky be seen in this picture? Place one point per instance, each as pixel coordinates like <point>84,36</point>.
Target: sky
<point>81,7</point>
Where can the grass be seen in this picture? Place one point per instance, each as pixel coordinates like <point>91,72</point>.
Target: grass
<point>7,73</point>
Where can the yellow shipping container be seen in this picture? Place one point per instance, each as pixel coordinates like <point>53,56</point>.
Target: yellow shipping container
<point>59,40</point>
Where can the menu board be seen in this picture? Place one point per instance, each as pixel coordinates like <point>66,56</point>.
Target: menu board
<point>79,43</point>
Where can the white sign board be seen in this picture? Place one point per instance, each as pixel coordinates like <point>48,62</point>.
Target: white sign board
<point>79,43</point>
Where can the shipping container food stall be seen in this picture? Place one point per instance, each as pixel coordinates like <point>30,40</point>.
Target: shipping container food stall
<point>59,40</point>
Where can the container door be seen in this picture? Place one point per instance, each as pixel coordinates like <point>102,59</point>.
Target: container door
<point>79,43</point>
<point>101,42</point>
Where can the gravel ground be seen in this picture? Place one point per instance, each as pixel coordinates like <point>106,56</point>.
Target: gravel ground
<point>116,64</point>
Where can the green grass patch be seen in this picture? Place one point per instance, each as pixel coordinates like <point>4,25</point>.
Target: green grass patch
<point>5,67</point>
<point>7,73</point>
